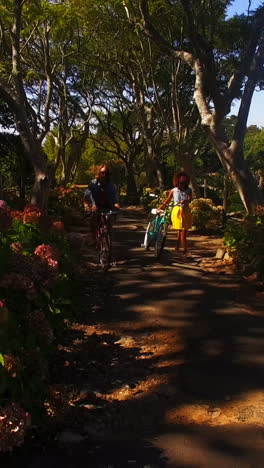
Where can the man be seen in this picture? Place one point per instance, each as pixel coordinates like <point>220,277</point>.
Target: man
<point>101,195</point>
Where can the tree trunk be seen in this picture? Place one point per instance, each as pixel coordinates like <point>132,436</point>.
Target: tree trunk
<point>205,189</point>
<point>187,166</point>
<point>160,175</point>
<point>225,195</point>
<point>131,183</point>
<point>73,160</point>
<point>37,160</point>
<point>261,183</point>
<point>22,188</point>
<point>236,167</point>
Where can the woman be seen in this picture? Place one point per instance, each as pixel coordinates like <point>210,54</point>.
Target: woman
<point>181,216</point>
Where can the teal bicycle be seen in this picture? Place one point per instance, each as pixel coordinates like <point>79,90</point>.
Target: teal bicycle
<point>156,232</point>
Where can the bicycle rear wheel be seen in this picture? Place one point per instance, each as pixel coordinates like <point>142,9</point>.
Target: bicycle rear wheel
<point>149,235</point>
<point>160,240</point>
<point>105,252</point>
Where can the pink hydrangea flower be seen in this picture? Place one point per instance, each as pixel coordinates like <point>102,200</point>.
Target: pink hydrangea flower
<point>58,226</point>
<point>2,303</point>
<point>46,252</point>
<point>14,423</point>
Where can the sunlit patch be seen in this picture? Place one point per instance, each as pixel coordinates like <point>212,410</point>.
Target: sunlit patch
<point>248,409</point>
<point>143,389</point>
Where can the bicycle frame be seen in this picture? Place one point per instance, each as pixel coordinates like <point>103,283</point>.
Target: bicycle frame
<point>156,231</point>
<point>103,239</point>
<point>160,217</point>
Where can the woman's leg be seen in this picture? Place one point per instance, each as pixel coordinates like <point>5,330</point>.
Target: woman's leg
<point>178,242</point>
<point>184,240</point>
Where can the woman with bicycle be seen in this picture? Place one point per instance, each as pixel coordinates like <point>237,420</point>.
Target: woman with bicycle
<point>181,216</point>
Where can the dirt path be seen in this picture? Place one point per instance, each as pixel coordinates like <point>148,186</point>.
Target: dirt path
<point>163,368</point>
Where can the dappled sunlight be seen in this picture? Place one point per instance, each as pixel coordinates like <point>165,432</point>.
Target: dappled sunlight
<point>167,352</point>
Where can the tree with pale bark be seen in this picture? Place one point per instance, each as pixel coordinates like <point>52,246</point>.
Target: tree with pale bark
<point>210,62</point>
<point>40,45</point>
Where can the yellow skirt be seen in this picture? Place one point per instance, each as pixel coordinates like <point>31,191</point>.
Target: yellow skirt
<point>181,218</point>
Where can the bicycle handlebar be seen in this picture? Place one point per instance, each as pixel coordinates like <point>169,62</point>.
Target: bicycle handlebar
<point>156,211</point>
<point>104,213</point>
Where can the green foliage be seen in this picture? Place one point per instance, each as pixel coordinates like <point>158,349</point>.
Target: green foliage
<point>253,147</point>
<point>206,216</point>
<point>67,203</point>
<point>245,241</point>
<point>147,201</point>
<point>14,168</point>
<point>238,241</point>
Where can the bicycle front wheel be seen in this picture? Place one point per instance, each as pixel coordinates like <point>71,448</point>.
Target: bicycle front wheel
<point>160,239</point>
<point>105,252</point>
<point>149,235</point>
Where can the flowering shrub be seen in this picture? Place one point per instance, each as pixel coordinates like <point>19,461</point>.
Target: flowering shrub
<point>31,214</point>
<point>206,216</point>
<point>147,200</point>
<point>17,215</point>
<point>48,254</point>
<point>38,321</point>
<point>3,312</point>
<point>58,226</point>
<point>67,202</point>
<point>16,247</point>
<point>34,298</point>
<point>5,216</point>
<point>14,422</point>
<point>19,282</point>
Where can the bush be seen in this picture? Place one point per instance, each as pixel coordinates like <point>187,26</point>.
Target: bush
<point>206,216</point>
<point>35,297</point>
<point>245,241</point>
<point>149,202</point>
<point>67,203</point>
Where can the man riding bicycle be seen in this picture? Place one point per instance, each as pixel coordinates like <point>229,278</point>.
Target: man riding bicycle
<point>100,195</point>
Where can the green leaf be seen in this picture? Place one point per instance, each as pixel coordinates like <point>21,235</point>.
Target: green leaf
<point>2,361</point>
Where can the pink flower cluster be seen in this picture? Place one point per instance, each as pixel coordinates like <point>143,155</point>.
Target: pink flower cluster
<point>14,422</point>
<point>48,254</point>
<point>34,268</point>
<point>5,216</point>
<point>58,226</point>
<point>2,303</point>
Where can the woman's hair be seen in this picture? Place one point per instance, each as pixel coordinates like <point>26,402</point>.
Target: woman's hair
<point>107,170</point>
<point>181,179</point>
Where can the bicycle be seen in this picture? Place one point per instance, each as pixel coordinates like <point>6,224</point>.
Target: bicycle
<point>103,238</point>
<point>156,232</point>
